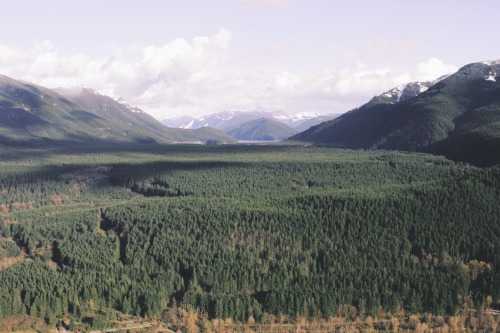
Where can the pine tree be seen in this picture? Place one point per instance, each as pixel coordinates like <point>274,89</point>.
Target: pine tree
<point>17,304</point>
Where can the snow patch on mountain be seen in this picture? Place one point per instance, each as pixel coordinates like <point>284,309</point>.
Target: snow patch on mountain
<point>218,120</point>
<point>400,91</point>
<point>408,90</point>
<point>491,76</point>
<point>129,106</point>
<point>296,117</point>
<point>396,93</point>
<point>491,62</point>
<point>227,120</point>
<point>188,125</point>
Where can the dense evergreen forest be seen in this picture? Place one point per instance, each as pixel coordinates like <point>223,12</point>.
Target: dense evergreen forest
<point>244,231</point>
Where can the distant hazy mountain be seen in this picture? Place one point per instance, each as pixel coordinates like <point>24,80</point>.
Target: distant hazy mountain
<point>228,120</point>
<point>36,116</point>
<point>457,116</point>
<point>262,129</point>
<point>224,120</point>
<point>301,119</point>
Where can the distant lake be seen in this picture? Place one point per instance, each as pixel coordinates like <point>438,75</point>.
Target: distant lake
<point>257,141</point>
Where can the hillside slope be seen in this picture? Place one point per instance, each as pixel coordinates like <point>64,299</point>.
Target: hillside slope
<point>458,117</point>
<point>136,123</point>
<point>262,129</point>
<point>35,116</point>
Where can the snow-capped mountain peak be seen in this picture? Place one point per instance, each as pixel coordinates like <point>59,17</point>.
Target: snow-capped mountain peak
<point>395,92</point>
<point>129,106</point>
<point>302,116</point>
<point>220,120</point>
<point>491,62</point>
<point>227,120</point>
<point>406,91</point>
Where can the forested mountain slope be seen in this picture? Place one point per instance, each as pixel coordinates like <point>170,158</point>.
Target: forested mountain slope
<point>458,117</point>
<point>262,129</point>
<point>31,115</point>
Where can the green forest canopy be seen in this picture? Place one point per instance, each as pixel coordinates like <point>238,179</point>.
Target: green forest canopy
<point>239,231</point>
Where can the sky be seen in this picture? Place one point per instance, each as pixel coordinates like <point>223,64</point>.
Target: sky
<point>196,57</point>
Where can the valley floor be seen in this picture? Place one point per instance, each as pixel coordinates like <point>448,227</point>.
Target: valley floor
<point>277,237</point>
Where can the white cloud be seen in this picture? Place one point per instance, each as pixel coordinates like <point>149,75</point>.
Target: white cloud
<point>432,69</point>
<point>199,76</point>
<point>43,46</point>
<point>8,55</point>
<point>179,58</point>
<point>360,80</point>
<point>285,81</point>
<point>340,91</point>
<point>363,81</point>
<point>156,79</point>
<point>223,38</point>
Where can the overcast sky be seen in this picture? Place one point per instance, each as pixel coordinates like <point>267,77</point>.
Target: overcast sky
<point>196,57</point>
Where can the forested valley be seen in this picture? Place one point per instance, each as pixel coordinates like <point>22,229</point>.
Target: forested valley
<point>254,234</point>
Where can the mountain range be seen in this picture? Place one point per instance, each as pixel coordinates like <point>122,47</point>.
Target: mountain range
<point>278,125</point>
<point>32,115</point>
<point>457,116</point>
